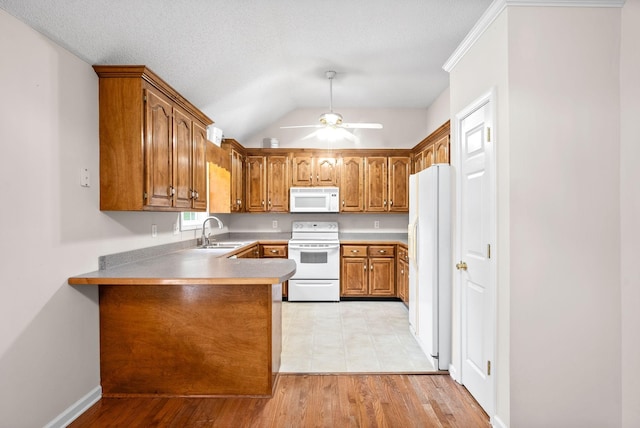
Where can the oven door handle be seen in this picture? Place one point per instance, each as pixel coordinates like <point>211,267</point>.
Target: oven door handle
<point>324,248</point>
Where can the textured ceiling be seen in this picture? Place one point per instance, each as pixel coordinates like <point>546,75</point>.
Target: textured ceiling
<point>246,63</point>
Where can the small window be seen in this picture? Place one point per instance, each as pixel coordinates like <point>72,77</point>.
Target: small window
<point>191,220</point>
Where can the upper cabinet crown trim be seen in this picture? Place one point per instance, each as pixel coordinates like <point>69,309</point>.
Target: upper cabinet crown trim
<point>143,72</point>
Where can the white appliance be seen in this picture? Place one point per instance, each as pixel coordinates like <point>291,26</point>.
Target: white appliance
<point>314,200</point>
<point>430,262</point>
<point>315,248</point>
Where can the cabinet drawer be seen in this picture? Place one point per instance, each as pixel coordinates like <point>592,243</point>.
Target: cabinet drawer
<point>278,251</point>
<point>403,254</point>
<point>354,251</point>
<point>381,251</point>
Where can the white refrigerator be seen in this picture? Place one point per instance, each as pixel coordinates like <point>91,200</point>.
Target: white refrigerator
<point>430,262</point>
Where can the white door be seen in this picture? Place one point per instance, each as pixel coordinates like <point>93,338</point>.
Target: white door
<point>476,250</point>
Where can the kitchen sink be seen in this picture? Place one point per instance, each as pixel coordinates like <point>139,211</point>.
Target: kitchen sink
<point>223,245</point>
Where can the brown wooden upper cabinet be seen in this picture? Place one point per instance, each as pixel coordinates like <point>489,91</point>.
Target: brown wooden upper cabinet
<point>237,181</point>
<point>152,144</point>
<point>312,170</point>
<point>267,183</point>
<point>433,149</point>
<point>375,184</point>
<point>352,184</point>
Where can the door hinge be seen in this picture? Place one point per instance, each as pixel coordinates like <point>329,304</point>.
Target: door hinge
<point>488,368</point>
<point>488,251</point>
<point>488,134</point>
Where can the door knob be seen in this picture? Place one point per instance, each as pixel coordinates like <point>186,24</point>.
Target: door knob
<point>461,266</point>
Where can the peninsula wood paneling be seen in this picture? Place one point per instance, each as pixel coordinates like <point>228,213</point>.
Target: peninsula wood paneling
<point>199,340</point>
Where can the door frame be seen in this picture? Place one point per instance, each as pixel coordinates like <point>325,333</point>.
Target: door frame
<point>456,370</point>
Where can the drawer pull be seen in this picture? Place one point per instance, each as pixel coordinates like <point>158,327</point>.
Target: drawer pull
<point>382,251</point>
<point>355,251</point>
<point>274,251</point>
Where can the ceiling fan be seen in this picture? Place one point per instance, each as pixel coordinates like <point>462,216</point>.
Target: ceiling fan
<point>332,119</point>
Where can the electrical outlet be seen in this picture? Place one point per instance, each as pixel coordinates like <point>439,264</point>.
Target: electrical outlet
<point>274,224</point>
<point>85,177</point>
<point>154,230</point>
<point>176,228</point>
<point>376,224</point>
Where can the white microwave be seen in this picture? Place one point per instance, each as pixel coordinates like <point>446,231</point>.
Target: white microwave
<point>314,200</point>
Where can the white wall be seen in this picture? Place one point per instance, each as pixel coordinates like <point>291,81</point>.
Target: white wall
<point>402,128</point>
<point>52,227</point>
<point>439,111</point>
<point>630,212</point>
<point>558,208</point>
<point>482,68</point>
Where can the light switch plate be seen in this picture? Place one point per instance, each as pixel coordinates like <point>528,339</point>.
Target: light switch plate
<point>85,177</point>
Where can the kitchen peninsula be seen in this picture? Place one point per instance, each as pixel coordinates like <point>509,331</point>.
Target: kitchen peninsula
<point>190,323</point>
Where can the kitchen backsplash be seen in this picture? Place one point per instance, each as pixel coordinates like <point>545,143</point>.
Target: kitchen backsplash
<point>387,223</point>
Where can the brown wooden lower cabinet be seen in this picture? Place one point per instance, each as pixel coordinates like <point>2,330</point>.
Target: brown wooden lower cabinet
<point>252,252</point>
<point>276,251</point>
<point>194,340</point>
<point>402,280</point>
<point>368,270</point>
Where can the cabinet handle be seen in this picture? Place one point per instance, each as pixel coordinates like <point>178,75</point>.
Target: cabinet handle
<point>343,202</point>
<point>263,202</point>
<point>269,202</point>
<point>365,267</point>
<point>371,267</point>
<point>382,251</point>
<point>310,178</point>
<point>317,177</point>
<point>172,191</point>
<point>274,251</point>
<point>355,251</point>
<point>197,196</point>
<point>390,203</point>
<point>384,203</point>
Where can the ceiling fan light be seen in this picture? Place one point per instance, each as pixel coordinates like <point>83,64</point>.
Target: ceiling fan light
<point>331,119</point>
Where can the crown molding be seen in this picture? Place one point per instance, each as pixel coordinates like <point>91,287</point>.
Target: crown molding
<point>495,9</point>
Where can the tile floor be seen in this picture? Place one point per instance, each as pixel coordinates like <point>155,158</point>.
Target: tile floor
<point>349,337</point>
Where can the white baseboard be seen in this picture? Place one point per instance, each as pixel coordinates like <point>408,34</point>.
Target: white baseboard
<point>453,372</point>
<point>496,422</point>
<point>76,409</point>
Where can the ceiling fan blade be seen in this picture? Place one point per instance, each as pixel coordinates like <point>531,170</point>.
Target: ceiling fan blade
<point>361,125</point>
<point>302,126</point>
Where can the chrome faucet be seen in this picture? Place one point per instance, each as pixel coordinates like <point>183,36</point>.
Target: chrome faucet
<point>205,238</point>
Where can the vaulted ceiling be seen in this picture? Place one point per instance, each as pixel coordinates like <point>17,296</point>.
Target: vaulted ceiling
<point>246,63</point>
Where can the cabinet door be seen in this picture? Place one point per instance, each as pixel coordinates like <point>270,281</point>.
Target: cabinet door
<point>382,276</point>
<point>301,170</point>
<point>256,183</point>
<point>278,184</point>
<point>237,181</point>
<point>428,157</point>
<point>250,253</point>
<point>375,177</point>
<point>402,280</point>
<point>158,151</point>
<point>199,165</point>
<point>441,150</point>
<point>399,171</point>
<point>182,152</point>
<point>354,276</point>
<point>351,184</point>
<point>326,172</point>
